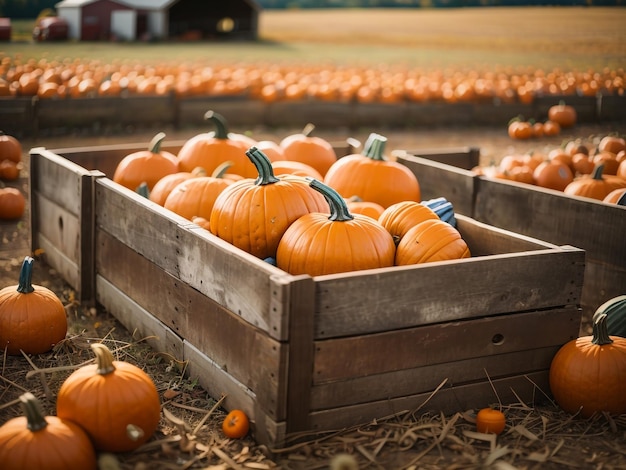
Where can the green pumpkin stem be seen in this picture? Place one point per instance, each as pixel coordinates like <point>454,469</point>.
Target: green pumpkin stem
<point>596,174</point>
<point>339,211</point>
<point>221,169</point>
<point>31,407</point>
<point>25,285</point>
<point>104,359</point>
<point>155,143</point>
<point>375,147</point>
<point>143,190</point>
<point>221,129</point>
<point>263,166</point>
<point>622,200</point>
<point>600,332</point>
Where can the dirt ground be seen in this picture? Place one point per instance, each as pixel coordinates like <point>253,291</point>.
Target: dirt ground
<point>538,435</point>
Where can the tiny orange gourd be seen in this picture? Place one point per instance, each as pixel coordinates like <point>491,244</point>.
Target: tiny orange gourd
<point>236,424</point>
<point>490,421</point>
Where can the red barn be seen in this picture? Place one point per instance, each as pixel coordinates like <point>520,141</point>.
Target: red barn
<point>94,20</point>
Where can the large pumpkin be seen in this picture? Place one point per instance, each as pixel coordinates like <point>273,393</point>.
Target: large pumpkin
<point>115,402</point>
<point>211,149</point>
<point>319,243</point>
<point>553,174</point>
<point>32,317</point>
<point>253,214</point>
<point>594,186</point>
<point>563,114</point>
<point>587,374</point>
<point>311,150</point>
<point>146,166</point>
<point>38,442</point>
<point>372,177</point>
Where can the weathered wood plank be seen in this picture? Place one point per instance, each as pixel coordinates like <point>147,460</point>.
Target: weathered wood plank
<point>257,361</point>
<point>60,227</point>
<point>66,267</point>
<point>530,388</point>
<point>360,356</point>
<point>217,382</point>
<point>442,180</point>
<point>138,321</point>
<point>464,158</point>
<point>409,381</point>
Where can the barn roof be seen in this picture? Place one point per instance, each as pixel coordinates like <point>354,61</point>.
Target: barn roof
<point>140,4</point>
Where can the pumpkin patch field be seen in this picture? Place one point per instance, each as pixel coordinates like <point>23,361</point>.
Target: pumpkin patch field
<point>146,330</point>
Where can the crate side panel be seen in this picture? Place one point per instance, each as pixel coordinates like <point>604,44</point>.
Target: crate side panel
<point>141,323</point>
<point>193,255</point>
<point>298,113</point>
<point>405,382</point>
<point>198,320</point>
<point>441,180</point>
<point>529,388</point>
<point>447,291</point>
<point>16,116</point>
<point>67,268</point>
<point>464,158</point>
<point>60,227</point>
<point>360,356</point>
<point>218,382</point>
<point>602,282</point>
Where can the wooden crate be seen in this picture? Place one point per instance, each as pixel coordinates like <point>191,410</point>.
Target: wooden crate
<point>545,214</point>
<point>301,353</point>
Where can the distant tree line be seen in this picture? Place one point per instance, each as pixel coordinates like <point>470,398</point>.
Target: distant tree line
<point>32,8</point>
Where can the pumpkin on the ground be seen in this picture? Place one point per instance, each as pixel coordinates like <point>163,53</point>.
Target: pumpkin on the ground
<point>587,374</point>
<point>146,166</point>
<point>115,402</point>
<point>253,214</point>
<point>38,442</point>
<point>318,243</point>
<point>32,317</point>
<point>12,203</point>
<point>10,148</point>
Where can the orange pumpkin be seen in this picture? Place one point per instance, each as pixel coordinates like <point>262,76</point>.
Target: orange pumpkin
<point>10,148</point>
<point>617,196</point>
<point>305,148</point>
<point>9,170</point>
<point>609,160</point>
<point>12,203</point>
<point>318,243</point>
<point>357,206</point>
<point>595,185</point>
<point>211,149</point>
<point>277,201</point>
<point>236,424</point>
<point>563,114</point>
<point>292,167</point>
<point>621,170</point>
<point>164,186</point>
<point>402,216</point>
<point>553,174</point>
<point>491,421</point>
<point>373,177</point>
<point>612,143</point>
<point>146,166</point>
<point>272,149</point>
<point>431,240</point>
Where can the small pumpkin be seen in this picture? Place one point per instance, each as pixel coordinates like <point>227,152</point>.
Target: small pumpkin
<point>164,186</point>
<point>146,166</point>
<point>12,203</point>
<point>236,424</point>
<point>292,167</point>
<point>621,170</point>
<point>196,196</point>
<point>115,402</point>
<point>9,170</point>
<point>211,149</point>
<point>38,442</point>
<point>519,129</point>
<point>612,143</point>
<point>312,150</point>
<point>318,243</point>
<point>32,317</point>
<point>587,373</point>
<point>253,214</point>
<point>553,174</point>
<point>373,177</point>
<point>490,421</point>
<point>609,160</point>
<point>594,186</point>
<point>563,114</point>
<point>10,148</point>
<point>431,240</point>
<point>402,216</point>
<point>357,206</point>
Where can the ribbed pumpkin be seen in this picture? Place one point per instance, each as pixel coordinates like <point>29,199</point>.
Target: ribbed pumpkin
<point>617,196</point>
<point>32,317</point>
<point>292,167</point>
<point>38,442</point>
<point>253,214</point>
<point>431,240</point>
<point>146,166</point>
<point>115,402</point>
<point>319,243</point>
<point>311,150</point>
<point>164,186</point>
<point>400,217</point>
<point>615,310</point>
<point>357,206</point>
<point>195,197</point>
<point>587,374</point>
<point>211,149</point>
<point>372,177</point>
<point>594,186</point>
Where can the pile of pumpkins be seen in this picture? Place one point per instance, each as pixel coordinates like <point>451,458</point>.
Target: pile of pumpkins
<point>12,201</point>
<point>576,168</point>
<point>294,203</point>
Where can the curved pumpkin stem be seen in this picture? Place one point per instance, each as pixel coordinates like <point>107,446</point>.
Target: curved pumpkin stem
<point>622,200</point>
<point>31,407</point>
<point>25,285</point>
<point>263,166</point>
<point>308,129</point>
<point>155,143</point>
<point>375,147</point>
<point>339,211</point>
<point>143,190</point>
<point>104,359</point>
<point>221,129</point>
<point>600,332</point>
<point>221,169</point>
<point>596,174</point>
